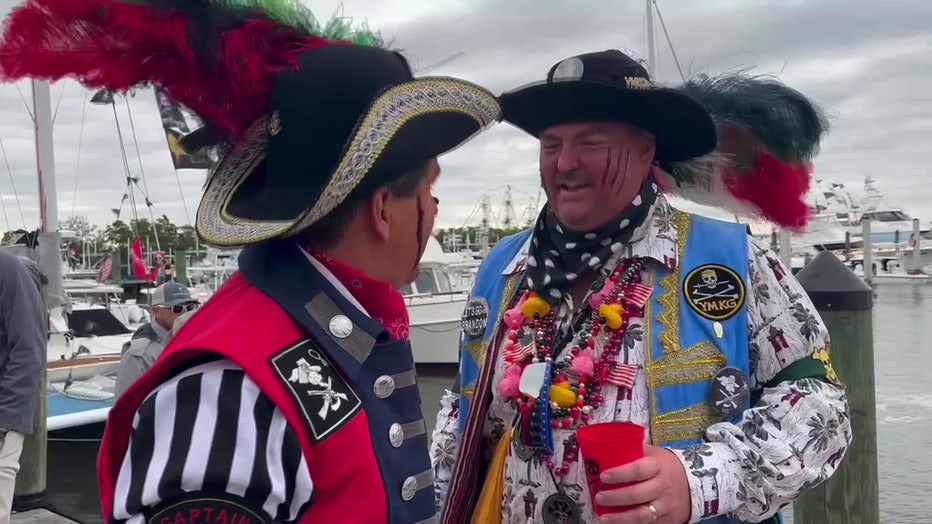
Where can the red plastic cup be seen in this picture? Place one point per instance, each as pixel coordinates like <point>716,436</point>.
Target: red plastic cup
<point>605,446</point>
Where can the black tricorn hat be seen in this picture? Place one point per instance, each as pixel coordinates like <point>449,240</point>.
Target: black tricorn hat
<point>345,121</point>
<point>611,86</point>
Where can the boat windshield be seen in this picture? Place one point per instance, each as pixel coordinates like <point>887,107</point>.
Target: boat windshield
<point>94,322</point>
<point>443,281</point>
<point>425,282</point>
<point>429,281</point>
<point>886,216</point>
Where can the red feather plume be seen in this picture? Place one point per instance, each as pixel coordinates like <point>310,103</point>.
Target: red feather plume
<point>775,188</point>
<point>768,134</point>
<point>115,45</point>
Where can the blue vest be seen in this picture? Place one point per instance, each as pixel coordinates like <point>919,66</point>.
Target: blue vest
<point>689,339</point>
<point>686,350</point>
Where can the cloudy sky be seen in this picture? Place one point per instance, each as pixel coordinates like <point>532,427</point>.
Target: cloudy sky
<point>867,62</point>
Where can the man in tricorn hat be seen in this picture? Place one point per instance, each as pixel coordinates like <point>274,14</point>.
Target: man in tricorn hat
<point>617,307</point>
<point>290,395</point>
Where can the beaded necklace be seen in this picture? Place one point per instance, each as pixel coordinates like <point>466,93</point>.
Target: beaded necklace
<point>576,381</point>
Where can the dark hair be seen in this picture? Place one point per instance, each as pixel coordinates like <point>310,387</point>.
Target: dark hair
<point>326,232</point>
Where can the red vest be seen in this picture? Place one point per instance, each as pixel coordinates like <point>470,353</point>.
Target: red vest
<point>244,325</point>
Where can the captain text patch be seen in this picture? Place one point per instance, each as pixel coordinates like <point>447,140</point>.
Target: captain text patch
<point>199,509</point>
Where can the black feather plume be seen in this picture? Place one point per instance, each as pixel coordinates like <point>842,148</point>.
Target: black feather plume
<point>788,124</point>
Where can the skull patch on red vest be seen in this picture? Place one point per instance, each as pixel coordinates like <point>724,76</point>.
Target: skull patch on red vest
<point>326,400</point>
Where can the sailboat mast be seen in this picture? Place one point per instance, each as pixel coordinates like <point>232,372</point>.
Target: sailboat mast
<point>50,262</point>
<point>651,47</point>
<point>45,156</point>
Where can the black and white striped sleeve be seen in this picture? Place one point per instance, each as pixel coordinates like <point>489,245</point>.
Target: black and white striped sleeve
<point>209,435</point>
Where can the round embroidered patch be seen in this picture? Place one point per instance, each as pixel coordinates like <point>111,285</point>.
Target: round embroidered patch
<point>475,317</point>
<point>568,70</point>
<point>206,508</point>
<point>714,292</point>
<point>561,509</point>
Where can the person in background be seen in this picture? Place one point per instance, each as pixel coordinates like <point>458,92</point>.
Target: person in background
<point>169,302</point>
<point>168,272</point>
<point>23,350</point>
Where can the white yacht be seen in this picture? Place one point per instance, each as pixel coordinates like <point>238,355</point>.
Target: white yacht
<point>435,307</point>
<point>889,224</point>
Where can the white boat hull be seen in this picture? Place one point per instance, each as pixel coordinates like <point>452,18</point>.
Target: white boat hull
<point>435,327</point>
<point>82,367</point>
<point>74,404</point>
<point>436,343</point>
<point>59,349</point>
<point>900,278</point>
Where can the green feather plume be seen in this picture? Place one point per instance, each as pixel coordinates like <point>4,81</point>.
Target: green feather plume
<point>290,13</point>
<point>295,14</point>
<point>785,121</point>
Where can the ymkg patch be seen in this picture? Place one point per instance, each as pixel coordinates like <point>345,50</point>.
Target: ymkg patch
<point>326,400</point>
<point>714,292</point>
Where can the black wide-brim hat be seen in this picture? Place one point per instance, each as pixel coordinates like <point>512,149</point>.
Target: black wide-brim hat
<point>345,121</point>
<point>611,86</point>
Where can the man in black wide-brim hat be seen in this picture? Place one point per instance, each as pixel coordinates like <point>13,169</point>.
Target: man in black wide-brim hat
<point>290,396</point>
<point>615,307</point>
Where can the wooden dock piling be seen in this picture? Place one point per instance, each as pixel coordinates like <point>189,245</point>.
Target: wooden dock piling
<point>845,303</point>
<point>30,491</point>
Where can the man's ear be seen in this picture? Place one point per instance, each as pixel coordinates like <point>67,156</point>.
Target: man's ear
<point>378,213</point>
<point>648,148</point>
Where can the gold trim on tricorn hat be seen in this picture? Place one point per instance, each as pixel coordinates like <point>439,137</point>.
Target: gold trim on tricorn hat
<point>309,114</point>
<point>389,113</point>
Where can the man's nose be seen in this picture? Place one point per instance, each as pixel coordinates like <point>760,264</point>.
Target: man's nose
<point>567,159</point>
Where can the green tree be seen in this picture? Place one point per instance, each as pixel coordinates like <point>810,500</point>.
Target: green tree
<point>171,237</point>
<point>187,238</point>
<point>117,235</point>
<point>81,226</point>
<point>168,234</point>
<point>10,236</point>
<point>472,233</point>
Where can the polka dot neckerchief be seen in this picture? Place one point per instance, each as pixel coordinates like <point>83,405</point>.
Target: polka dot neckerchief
<point>558,257</point>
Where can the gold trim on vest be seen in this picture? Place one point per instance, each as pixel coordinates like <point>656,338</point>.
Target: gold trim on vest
<point>697,363</point>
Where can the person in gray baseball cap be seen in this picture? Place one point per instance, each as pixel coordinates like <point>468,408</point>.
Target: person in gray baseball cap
<point>169,301</point>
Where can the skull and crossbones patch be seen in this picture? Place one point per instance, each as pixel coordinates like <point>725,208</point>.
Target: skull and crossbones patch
<point>714,292</point>
<point>729,391</point>
<point>326,400</point>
